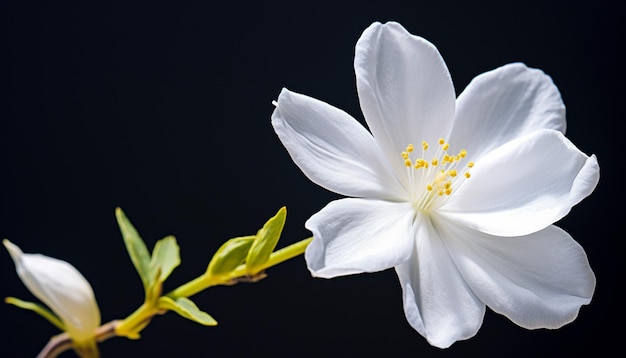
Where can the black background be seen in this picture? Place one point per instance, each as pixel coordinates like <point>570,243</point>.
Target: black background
<point>162,108</point>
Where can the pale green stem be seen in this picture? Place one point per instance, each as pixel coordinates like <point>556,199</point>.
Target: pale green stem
<point>287,253</point>
<point>205,281</point>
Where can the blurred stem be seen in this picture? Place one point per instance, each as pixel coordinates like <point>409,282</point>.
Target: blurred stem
<point>62,342</point>
<point>240,273</point>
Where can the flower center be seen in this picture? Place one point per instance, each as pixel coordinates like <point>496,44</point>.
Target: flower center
<point>433,181</point>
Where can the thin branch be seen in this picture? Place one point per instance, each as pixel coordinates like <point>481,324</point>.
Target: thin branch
<point>62,342</point>
<point>56,345</point>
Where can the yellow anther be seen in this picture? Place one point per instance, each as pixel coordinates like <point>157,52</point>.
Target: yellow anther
<point>463,153</point>
<point>467,175</point>
<point>434,162</point>
<point>429,187</point>
<point>424,145</point>
<point>405,155</point>
<point>409,148</point>
<point>407,162</point>
<point>441,141</point>
<point>447,159</point>
<point>421,163</point>
<point>470,164</point>
<point>448,191</point>
<point>452,173</point>
<point>446,146</point>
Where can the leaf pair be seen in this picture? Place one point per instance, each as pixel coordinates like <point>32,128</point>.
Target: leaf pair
<point>154,270</point>
<point>252,251</point>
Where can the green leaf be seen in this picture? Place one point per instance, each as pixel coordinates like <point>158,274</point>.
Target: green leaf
<point>230,255</point>
<point>37,308</point>
<point>266,240</point>
<point>187,309</point>
<point>136,248</point>
<point>166,256</point>
<point>153,292</point>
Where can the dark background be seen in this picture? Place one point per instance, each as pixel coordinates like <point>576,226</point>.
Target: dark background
<point>163,108</point>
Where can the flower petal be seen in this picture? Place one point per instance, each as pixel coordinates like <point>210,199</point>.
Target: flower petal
<point>504,104</point>
<point>537,281</point>
<point>523,186</point>
<point>437,301</point>
<point>404,87</point>
<point>332,149</point>
<point>359,235</point>
<point>62,288</point>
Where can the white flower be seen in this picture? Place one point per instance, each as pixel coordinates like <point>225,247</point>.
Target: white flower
<point>458,194</point>
<point>63,289</point>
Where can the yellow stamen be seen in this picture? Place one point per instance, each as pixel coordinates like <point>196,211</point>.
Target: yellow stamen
<point>439,182</point>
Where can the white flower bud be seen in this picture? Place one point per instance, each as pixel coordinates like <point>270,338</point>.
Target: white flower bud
<point>62,288</point>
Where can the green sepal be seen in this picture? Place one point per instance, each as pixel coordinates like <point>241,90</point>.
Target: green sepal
<point>37,308</point>
<point>136,248</point>
<point>187,309</point>
<point>133,333</point>
<point>165,258</point>
<point>266,239</point>
<point>230,255</point>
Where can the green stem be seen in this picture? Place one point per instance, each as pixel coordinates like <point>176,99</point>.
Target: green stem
<point>286,253</point>
<point>194,286</point>
<point>205,281</point>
